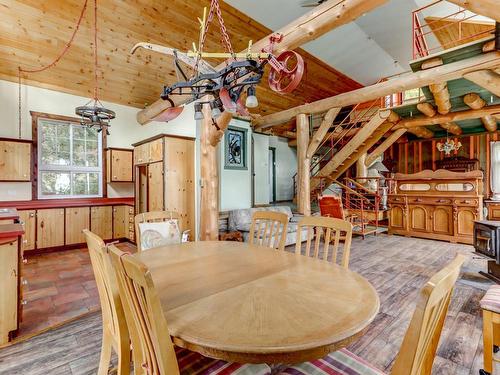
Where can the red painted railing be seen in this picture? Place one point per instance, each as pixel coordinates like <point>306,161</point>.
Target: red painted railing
<point>421,30</point>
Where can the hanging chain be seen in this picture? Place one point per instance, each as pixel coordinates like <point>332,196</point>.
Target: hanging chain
<point>225,40</point>
<point>53,63</point>
<point>95,52</point>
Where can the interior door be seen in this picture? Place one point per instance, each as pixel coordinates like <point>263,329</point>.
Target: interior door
<point>155,187</point>
<point>261,169</point>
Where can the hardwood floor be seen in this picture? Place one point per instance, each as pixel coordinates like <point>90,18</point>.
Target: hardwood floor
<point>61,287</point>
<point>396,266</point>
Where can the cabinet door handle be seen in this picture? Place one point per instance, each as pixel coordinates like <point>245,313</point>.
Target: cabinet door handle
<point>466,201</point>
<point>32,214</point>
<point>418,200</point>
<point>440,201</point>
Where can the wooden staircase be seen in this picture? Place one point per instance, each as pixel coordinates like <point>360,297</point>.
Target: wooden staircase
<point>367,136</point>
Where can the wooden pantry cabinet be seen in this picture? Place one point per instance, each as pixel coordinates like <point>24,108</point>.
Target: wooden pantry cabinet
<point>15,159</point>
<point>441,205</point>
<point>119,166</point>
<point>164,177</point>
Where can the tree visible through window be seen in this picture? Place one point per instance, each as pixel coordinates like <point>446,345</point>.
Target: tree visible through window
<point>69,160</point>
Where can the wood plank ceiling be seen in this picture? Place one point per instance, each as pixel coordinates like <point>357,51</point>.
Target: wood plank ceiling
<point>33,32</point>
<point>451,33</point>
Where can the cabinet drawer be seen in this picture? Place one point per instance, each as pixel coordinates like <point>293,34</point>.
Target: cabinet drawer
<point>396,200</point>
<point>467,202</point>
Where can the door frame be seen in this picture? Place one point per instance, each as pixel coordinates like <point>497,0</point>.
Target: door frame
<point>273,182</point>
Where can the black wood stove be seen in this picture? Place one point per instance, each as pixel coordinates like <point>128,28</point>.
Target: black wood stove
<point>487,243</point>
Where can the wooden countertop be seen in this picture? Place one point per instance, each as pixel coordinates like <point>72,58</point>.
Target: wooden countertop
<point>9,213</point>
<point>61,203</point>
<point>10,232</point>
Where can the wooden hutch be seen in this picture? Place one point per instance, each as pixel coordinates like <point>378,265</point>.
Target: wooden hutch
<point>440,205</point>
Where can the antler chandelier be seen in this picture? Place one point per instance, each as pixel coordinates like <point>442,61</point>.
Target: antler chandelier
<point>449,146</point>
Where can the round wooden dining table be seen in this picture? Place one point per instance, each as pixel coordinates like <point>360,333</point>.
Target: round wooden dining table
<point>251,304</point>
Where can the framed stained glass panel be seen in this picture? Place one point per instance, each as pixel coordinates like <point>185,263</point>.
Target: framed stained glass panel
<point>235,148</point>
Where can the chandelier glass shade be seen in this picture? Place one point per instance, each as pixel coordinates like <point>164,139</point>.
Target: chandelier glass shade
<point>449,146</point>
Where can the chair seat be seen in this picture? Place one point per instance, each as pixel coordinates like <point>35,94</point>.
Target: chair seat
<point>337,363</point>
<point>192,363</point>
<point>491,300</point>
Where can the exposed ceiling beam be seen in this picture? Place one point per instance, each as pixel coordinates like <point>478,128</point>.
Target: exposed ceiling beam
<point>398,84</point>
<point>488,8</point>
<point>452,116</point>
<point>323,18</point>
<point>487,79</point>
<point>474,101</point>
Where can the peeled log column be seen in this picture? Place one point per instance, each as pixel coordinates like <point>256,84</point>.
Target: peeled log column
<point>303,167</point>
<point>451,127</point>
<point>427,109</point>
<point>222,122</point>
<point>474,101</point>
<point>441,97</point>
<point>209,212</point>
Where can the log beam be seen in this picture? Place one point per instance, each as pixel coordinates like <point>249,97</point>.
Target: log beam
<point>209,200</point>
<point>441,97</point>
<point>323,18</point>
<point>488,8</point>
<point>420,121</point>
<point>451,127</point>
<point>320,133</point>
<point>303,167</point>
<point>384,146</point>
<point>474,101</point>
<point>487,79</point>
<point>404,82</point>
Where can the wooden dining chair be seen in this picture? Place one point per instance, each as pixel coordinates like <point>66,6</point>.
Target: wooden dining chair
<point>152,217</point>
<point>269,229</point>
<point>328,230</point>
<point>115,335</point>
<point>154,352</point>
<point>420,343</point>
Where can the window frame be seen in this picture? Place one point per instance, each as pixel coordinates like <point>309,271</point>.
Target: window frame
<point>38,168</point>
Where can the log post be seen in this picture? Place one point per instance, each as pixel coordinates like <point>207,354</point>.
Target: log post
<point>303,166</point>
<point>209,212</point>
<point>361,167</point>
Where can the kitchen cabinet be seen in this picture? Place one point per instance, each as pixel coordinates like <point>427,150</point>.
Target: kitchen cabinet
<point>77,219</point>
<point>155,186</point>
<point>15,160</point>
<point>27,219</point>
<point>120,221</point>
<point>49,230</point>
<point>9,267</point>
<point>119,165</point>
<point>101,221</point>
<point>166,180</point>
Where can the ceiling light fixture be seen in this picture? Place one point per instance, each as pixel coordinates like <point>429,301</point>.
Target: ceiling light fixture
<point>93,113</point>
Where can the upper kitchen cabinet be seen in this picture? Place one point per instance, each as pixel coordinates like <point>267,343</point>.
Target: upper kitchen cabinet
<point>119,165</point>
<point>15,160</point>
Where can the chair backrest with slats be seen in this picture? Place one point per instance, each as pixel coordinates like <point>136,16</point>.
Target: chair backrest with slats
<point>331,206</point>
<point>269,229</point>
<point>327,231</point>
<point>153,348</point>
<point>113,316</point>
<point>418,350</point>
<point>152,217</point>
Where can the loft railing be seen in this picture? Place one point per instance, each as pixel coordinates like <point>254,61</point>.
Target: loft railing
<point>422,31</point>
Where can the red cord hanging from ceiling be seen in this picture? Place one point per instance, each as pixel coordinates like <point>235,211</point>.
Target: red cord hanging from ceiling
<point>60,56</point>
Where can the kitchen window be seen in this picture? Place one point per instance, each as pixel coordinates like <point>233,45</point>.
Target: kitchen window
<point>69,160</point>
